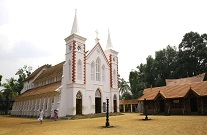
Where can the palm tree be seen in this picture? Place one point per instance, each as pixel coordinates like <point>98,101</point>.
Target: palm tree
<point>123,86</point>
<point>9,93</point>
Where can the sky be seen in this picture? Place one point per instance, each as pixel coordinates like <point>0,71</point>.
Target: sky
<point>32,32</point>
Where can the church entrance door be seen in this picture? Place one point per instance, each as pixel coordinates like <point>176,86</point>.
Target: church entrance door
<point>79,103</point>
<point>98,101</point>
<point>115,104</point>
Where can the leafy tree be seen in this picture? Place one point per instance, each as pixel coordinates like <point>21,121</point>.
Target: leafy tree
<point>126,96</point>
<point>9,93</point>
<point>189,60</point>
<point>23,73</point>
<point>192,55</point>
<point>165,65</point>
<point>149,71</point>
<point>136,82</point>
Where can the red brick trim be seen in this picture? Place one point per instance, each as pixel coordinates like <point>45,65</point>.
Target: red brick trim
<point>111,71</point>
<point>117,73</point>
<point>74,62</point>
<point>84,69</point>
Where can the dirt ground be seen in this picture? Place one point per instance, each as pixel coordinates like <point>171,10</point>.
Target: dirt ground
<point>127,124</point>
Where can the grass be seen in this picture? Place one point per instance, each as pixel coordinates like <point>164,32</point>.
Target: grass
<point>127,124</point>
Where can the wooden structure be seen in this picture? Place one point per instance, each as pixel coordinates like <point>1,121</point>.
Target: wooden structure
<point>128,105</point>
<point>181,99</point>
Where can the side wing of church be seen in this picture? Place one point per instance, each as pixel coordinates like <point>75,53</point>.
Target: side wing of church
<point>79,85</point>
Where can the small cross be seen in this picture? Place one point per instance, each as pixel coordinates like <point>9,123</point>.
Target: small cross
<point>96,33</point>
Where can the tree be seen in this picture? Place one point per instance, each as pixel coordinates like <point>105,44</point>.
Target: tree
<point>126,96</point>
<point>149,71</point>
<point>23,73</point>
<point>165,65</point>
<point>0,79</point>
<point>123,86</point>
<point>9,93</point>
<point>136,81</point>
<point>192,55</point>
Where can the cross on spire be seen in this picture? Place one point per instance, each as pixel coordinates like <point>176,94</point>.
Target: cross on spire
<point>96,33</point>
<point>97,39</point>
<point>75,28</point>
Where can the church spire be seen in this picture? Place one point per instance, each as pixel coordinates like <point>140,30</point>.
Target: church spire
<point>75,28</point>
<point>109,44</point>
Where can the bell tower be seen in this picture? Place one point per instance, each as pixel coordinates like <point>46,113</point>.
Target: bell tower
<point>74,71</point>
<point>112,57</point>
<point>75,56</point>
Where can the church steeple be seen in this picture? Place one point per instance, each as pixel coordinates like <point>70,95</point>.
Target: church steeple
<point>109,44</point>
<point>75,28</point>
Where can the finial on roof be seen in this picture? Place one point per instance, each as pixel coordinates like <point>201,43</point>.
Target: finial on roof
<point>109,44</point>
<point>97,39</point>
<point>75,28</point>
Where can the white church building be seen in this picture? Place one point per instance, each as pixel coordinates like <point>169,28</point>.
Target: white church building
<point>79,85</point>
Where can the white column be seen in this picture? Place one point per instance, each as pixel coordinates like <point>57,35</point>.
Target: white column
<point>52,106</point>
<point>49,106</point>
<point>31,107</point>
<point>46,106</point>
<point>27,107</point>
<point>22,113</point>
<point>43,105</point>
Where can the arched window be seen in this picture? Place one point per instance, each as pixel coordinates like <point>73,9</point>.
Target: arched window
<point>92,71</point>
<point>114,78</point>
<point>103,73</point>
<point>79,72</point>
<point>70,70</point>
<point>79,95</point>
<point>98,69</point>
<point>98,93</point>
<point>114,98</point>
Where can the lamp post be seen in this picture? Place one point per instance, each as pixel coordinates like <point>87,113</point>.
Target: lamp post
<point>107,113</point>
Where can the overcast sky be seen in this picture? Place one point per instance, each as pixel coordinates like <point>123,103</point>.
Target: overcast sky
<point>32,32</point>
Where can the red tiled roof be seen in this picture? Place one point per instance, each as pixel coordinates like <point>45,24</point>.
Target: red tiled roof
<point>40,90</point>
<point>130,101</point>
<point>35,73</point>
<point>178,91</point>
<point>57,69</point>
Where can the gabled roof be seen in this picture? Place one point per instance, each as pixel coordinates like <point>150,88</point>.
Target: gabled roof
<point>57,69</point>
<point>178,91</point>
<point>101,51</point>
<point>35,73</point>
<point>40,90</point>
<point>130,101</point>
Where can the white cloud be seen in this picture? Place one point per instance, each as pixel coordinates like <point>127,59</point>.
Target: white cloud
<point>138,29</point>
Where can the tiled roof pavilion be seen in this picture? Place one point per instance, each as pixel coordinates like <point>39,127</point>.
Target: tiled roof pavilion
<point>181,90</point>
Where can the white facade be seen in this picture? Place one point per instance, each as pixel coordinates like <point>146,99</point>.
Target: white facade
<point>86,79</point>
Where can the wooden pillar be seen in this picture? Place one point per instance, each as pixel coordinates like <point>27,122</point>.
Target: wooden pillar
<point>124,107</point>
<point>201,105</point>
<point>131,107</point>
